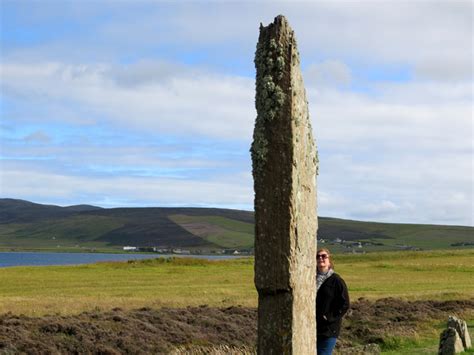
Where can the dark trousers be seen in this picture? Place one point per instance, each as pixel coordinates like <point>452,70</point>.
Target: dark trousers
<point>325,346</point>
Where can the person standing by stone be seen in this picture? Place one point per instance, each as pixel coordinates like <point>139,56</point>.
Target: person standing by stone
<point>332,302</point>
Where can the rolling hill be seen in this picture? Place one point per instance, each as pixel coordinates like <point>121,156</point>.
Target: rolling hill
<point>27,225</point>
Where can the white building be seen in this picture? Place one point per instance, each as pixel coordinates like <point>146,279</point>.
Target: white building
<point>128,248</point>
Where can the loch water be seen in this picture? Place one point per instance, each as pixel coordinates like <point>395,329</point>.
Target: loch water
<point>43,259</point>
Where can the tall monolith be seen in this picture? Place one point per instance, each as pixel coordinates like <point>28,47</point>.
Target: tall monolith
<point>284,161</point>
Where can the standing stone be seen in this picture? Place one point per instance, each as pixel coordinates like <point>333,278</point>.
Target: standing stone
<point>450,343</point>
<point>461,328</point>
<point>284,161</point>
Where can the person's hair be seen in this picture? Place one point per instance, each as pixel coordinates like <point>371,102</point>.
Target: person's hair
<point>331,262</point>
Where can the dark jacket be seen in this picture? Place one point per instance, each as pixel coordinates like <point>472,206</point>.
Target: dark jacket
<point>332,302</point>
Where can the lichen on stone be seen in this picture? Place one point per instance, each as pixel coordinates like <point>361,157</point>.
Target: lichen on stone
<point>280,66</point>
<point>273,44</point>
<point>270,98</point>
<point>279,96</point>
<point>259,146</point>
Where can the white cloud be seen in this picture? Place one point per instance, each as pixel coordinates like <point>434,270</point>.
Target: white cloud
<point>148,72</point>
<point>425,189</point>
<point>446,69</point>
<point>47,186</point>
<point>432,37</point>
<point>38,136</point>
<point>381,209</point>
<point>422,33</point>
<point>328,73</point>
<point>204,104</point>
<point>408,117</point>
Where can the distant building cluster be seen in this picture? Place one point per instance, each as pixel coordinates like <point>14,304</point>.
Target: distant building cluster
<point>179,251</point>
<point>360,246</point>
<point>354,246</point>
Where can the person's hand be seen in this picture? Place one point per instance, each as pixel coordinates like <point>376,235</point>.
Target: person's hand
<point>325,318</point>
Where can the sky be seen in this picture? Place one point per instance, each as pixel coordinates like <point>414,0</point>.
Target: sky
<point>151,103</point>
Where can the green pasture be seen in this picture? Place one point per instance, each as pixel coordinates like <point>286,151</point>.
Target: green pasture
<point>437,275</point>
<point>56,233</point>
<point>393,235</point>
<point>176,282</point>
<point>179,282</point>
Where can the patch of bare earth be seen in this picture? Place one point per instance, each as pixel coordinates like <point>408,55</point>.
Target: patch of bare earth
<point>202,330</point>
<point>203,229</point>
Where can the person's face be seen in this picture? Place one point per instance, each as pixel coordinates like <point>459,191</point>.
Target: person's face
<point>322,260</point>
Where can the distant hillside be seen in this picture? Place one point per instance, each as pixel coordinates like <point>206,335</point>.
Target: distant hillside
<point>27,225</point>
<point>17,211</point>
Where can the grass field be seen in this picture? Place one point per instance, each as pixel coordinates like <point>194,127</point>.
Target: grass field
<point>435,275</point>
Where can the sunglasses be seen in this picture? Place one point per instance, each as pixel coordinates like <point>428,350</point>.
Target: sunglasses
<point>322,256</point>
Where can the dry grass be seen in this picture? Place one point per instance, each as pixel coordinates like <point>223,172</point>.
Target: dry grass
<point>435,275</point>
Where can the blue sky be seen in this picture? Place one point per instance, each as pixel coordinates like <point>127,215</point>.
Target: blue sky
<point>151,103</point>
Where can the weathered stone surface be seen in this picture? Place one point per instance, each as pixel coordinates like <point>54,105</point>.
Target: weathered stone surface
<point>450,343</point>
<point>284,161</point>
<point>461,328</point>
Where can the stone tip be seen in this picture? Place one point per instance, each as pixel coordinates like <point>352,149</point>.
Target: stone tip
<point>281,19</point>
<point>279,22</point>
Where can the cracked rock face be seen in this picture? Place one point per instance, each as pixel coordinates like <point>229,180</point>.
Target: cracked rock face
<point>285,163</point>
